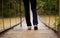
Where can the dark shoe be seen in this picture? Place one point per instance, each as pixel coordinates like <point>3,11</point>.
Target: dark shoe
<point>35,28</point>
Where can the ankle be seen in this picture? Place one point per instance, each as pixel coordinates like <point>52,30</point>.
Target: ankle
<point>35,25</point>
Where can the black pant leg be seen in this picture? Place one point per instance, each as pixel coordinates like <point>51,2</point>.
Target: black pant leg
<point>33,4</point>
<point>33,8</point>
<point>27,12</point>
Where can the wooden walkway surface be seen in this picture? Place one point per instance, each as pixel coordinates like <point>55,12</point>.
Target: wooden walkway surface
<point>22,32</point>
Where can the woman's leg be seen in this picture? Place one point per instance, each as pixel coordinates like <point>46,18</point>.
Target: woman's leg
<point>27,12</point>
<point>35,19</point>
<point>33,7</point>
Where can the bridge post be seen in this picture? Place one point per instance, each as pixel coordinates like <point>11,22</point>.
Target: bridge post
<point>59,21</point>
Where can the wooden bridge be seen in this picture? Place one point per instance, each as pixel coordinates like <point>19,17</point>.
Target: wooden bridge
<point>22,32</point>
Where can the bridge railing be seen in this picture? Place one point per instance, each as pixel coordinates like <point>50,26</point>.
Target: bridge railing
<point>10,14</point>
<point>50,17</point>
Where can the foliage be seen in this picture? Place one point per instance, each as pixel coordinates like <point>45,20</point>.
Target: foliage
<point>50,7</point>
<point>15,8</point>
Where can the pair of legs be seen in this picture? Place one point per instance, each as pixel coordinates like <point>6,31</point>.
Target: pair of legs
<point>27,11</point>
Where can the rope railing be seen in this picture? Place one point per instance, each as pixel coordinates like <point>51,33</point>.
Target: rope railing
<point>2,15</point>
<point>10,14</point>
<point>12,20</point>
<point>17,7</point>
<point>50,21</point>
